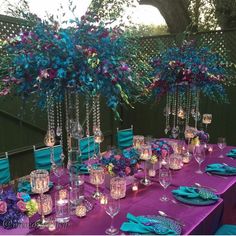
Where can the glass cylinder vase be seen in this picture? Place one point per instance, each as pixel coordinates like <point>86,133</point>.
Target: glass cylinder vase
<point>118,187</point>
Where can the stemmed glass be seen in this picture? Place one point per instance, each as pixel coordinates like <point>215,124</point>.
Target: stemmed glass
<point>145,155</point>
<point>221,144</point>
<point>112,208</point>
<point>199,155</point>
<point>97,177</point>
<point>165,180</point>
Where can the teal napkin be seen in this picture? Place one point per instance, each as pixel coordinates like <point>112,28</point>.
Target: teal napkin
<point>83,169</point>
<point>143,225</point>
<point>190,192</point>
<point>220,168</point>
<point>232,153</point>
<point>26,187</point>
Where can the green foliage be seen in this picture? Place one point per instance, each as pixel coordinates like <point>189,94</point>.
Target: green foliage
<point>147,30</point>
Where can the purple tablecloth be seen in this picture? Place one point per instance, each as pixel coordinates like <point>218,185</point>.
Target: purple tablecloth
<point>197,219</point>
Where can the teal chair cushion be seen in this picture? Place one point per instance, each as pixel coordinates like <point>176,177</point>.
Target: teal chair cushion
<point>42,157</point>
<point>4,170</point>
<point>88,147</point>
<point>125,138</point>
<point>226,230</point>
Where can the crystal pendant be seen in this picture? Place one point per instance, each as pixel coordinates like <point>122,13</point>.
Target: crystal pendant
<point>181,113</point>
<point>167,129</point>
<point>197,116</point>
<point>49,139</point>
<point>59,131</point>
<point>76,129</point>
<point>175,132</point>
<point>98,136</point>
<point>166,111</point>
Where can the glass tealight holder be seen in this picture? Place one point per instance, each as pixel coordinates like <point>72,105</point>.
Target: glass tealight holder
<point>175,162</point>
<point>145,155</point>
<point>62,206</point>
<point>206,119</point>
<point>118,187</point>
<point>46,204</point>
<point>97,177</point>
<point>138,141</point>
<point>39,181</point>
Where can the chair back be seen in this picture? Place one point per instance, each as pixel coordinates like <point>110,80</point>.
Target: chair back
<point>88,147</point>
<point>5,175</point>
<point>125,138</point>
<point>42,157</point>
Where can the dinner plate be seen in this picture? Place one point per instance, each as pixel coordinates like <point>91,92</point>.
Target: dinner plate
<point>198,201</point>
<point>160,223</point>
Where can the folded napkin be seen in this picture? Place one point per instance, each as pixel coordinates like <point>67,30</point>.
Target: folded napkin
<point>144,225</point>
<point>232,153</point>
<point>26,187</point>
<point>190,192</point>
<point>220,168</point>
<point>83,169</point>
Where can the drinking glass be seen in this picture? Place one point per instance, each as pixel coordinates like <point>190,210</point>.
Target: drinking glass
<point>199,155</point>
<point>58,171</point>
<point>112,208</point>
<point>221,143</point>
<point>165,180</point>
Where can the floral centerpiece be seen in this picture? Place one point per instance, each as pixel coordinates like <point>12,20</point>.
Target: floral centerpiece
<point>200,137</point>
<point>184,73</point>
<point>160,148</point>
<point>123,164</point>
<point>14,206</point>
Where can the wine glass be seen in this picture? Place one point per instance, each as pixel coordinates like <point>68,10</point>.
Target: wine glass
<point>164,180</point>
<point>221,143</point>
<point>112,208</point>
<point>199,155</point>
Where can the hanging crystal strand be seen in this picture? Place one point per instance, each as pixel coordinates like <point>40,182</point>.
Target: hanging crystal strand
<point>94,124</point>
<point>174,130</point>
<point>59,131</point>
<point>88,132</point>
<point>197,108</point>
<point>98,135</point>
<point>188,106</point>
<point>67,120</point>
<point>167,113</point>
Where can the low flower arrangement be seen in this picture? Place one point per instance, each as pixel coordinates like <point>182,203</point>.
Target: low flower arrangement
<point>14,206</point>
<point>160,148</point>
<point>123,164</point>
<point>200,138</point>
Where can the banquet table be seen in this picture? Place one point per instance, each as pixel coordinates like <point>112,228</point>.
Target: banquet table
<point>145,201</point>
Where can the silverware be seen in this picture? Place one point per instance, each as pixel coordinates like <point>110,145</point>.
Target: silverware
<point>162,213</point>
<point>220,176</point>
<point>180,203</point>
<point>203,186</point>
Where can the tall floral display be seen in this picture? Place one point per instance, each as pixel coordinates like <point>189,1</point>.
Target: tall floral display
<point>56,65</point>
<point>182,74</point>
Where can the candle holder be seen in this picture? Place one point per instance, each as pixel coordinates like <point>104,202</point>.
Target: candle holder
<point>189,133</point>
<point>206,119</point>
<point>39,181</point>
<point>138,141</point>
<point>118,187</point>
<point>145,155</point>
<point>46,203</point>
<point>62,205</point>
<point>97,177</point>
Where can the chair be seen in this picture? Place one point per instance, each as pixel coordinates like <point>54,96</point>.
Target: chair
<point>88,147</point>
<point>5,176</point>
<point>42,157</point>
<point>125,138</point>
<point>226,230</point>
